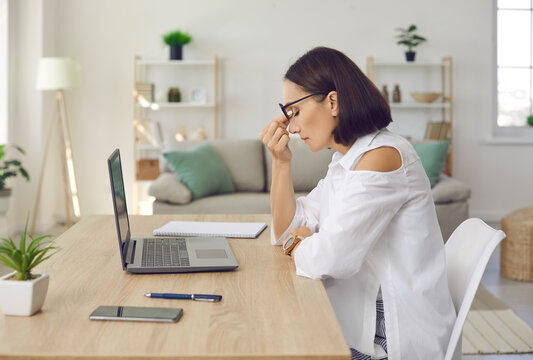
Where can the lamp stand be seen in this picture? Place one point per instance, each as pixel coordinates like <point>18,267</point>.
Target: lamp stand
<point>69,178</point>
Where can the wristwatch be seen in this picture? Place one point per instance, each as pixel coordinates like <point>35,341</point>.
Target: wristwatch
<point>290,244</point>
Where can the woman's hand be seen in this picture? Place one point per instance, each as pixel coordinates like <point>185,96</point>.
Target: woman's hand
<point>276,138</point>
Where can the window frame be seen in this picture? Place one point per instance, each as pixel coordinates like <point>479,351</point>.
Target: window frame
<point>4,74</point>
<point>506,131</point>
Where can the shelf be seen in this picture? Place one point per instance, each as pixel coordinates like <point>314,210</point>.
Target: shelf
<point>413,64</point>
<point>148,147</point>
<point>185,105</point>
<point>415,105</point>
<point>176,105</point>
<point>175,62</point>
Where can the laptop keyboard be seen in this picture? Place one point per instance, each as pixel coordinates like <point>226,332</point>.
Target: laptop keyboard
<point>165,252</point>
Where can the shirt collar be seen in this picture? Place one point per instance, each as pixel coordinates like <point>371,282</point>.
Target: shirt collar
<point>359,147</point>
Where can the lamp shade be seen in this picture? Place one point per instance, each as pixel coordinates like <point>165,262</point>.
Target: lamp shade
<point>54,73</point>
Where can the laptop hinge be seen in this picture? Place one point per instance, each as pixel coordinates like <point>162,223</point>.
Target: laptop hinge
<point>130,255</point>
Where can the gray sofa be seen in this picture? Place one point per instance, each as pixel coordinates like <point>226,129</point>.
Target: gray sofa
<point>249,164</point>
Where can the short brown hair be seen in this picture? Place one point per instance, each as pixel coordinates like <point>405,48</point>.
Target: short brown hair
<point>362,107</point>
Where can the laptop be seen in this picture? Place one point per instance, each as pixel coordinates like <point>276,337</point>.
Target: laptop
<point>163,254</point>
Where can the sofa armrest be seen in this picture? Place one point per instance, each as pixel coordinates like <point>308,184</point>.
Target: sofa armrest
<point>449,190</point>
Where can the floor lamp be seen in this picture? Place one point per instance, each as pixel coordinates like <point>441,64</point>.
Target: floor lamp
<point>59,74</point>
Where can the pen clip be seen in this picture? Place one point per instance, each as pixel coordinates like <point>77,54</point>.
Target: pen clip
<point>200,297</point>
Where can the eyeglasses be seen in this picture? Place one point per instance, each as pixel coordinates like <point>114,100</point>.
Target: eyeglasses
<point>289,113</point>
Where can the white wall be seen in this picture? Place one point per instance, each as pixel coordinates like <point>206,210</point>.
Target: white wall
<point>256,42</point>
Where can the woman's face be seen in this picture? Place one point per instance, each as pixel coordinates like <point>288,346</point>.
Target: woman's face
<point>313,121</point>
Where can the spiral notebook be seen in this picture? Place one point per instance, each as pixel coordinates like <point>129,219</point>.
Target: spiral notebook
<point>203,228</point>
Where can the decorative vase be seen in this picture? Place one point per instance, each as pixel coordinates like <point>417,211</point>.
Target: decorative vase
<point>174,95</point>
<point>410,55</point>
<point>23,298</point>
<point>396,94</point>
<point>5,195</point>
<point>175,52</point>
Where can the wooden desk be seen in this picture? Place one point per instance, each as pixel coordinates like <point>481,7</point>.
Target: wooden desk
<point>267,312</point>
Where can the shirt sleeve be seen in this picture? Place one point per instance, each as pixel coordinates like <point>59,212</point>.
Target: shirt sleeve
<point>362,211</point>
<point>307,214</point>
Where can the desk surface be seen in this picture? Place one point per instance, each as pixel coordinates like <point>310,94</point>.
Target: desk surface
<point>266,312</point>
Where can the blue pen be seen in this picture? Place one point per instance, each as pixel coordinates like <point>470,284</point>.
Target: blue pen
<point>197,297</point>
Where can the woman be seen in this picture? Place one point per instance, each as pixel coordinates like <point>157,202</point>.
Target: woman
<point>369,229</point>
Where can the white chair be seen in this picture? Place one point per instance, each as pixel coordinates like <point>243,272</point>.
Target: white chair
<point>468,251</point>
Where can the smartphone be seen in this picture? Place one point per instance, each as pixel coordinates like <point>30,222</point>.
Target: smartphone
<point>136,313</point>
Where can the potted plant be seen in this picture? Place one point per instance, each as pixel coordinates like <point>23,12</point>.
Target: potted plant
<point>176,39</point>
<point>409,38</point>
<point>8,169</point>
<point>22,292</point>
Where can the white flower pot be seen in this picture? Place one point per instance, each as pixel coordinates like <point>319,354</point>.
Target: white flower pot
<point>22,297</point>
<point>5,196</point>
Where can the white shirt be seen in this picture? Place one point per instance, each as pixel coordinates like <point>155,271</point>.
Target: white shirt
<point>373,229</point>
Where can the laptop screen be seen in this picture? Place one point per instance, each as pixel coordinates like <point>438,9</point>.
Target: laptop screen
<point>119,201</point>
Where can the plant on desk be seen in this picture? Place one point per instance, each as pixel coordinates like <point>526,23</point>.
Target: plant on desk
<point>21,292</point>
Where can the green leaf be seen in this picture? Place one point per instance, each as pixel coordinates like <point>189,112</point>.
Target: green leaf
<point>37,242</point>
<point>23,236</point>
<point>412,28</point>
<point>37,262</point>
<point>24,173</point>
<point>12,162</point>
<point>177,38</point>
<point>16,256</point>
<point>5,250</point>
<point>19,149</point>
<point>8,263</point>
<point>25,262</point>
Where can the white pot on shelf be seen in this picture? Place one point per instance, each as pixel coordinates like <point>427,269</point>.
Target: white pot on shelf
<point>5,196</point>
<point>23,298</point>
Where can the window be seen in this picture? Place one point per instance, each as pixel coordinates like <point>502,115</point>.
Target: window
<point>3,70</point>
<point>514,62</point>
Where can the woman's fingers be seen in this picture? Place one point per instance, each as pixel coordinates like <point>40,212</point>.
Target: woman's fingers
<point>275,138</point>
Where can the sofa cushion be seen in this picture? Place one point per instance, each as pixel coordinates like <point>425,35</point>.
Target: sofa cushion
<point>167,187</point>
<point>433,157</point>
<point>307,167</point>
<point>243,158</point>
<point>449,190</point>
<point>201,169</point>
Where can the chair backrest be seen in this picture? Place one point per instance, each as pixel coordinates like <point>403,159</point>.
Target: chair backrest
<point>468,251</point>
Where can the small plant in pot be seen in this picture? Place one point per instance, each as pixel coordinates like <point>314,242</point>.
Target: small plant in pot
<point>22,292</point>
<point>8,169</point>
<point>176,40</point>
<point>410,39</point>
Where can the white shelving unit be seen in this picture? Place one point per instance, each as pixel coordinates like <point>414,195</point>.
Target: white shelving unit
<point>170,116</point>
<point>411,76</point>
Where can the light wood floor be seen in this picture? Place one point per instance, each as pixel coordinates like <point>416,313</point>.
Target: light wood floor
<point>516,294</point>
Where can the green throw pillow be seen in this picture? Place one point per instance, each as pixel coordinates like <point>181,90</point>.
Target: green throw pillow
<point>201,169</point>
<point>433,157</point>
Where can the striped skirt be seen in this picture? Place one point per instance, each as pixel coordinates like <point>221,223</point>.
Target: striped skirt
<point>379,339</point>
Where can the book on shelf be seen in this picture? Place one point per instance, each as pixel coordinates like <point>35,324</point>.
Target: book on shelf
<point>146,90</point>
<point>437,130</point>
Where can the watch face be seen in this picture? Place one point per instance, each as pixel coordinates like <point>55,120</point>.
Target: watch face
<point>288,243</point>
<point>198,95</point>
